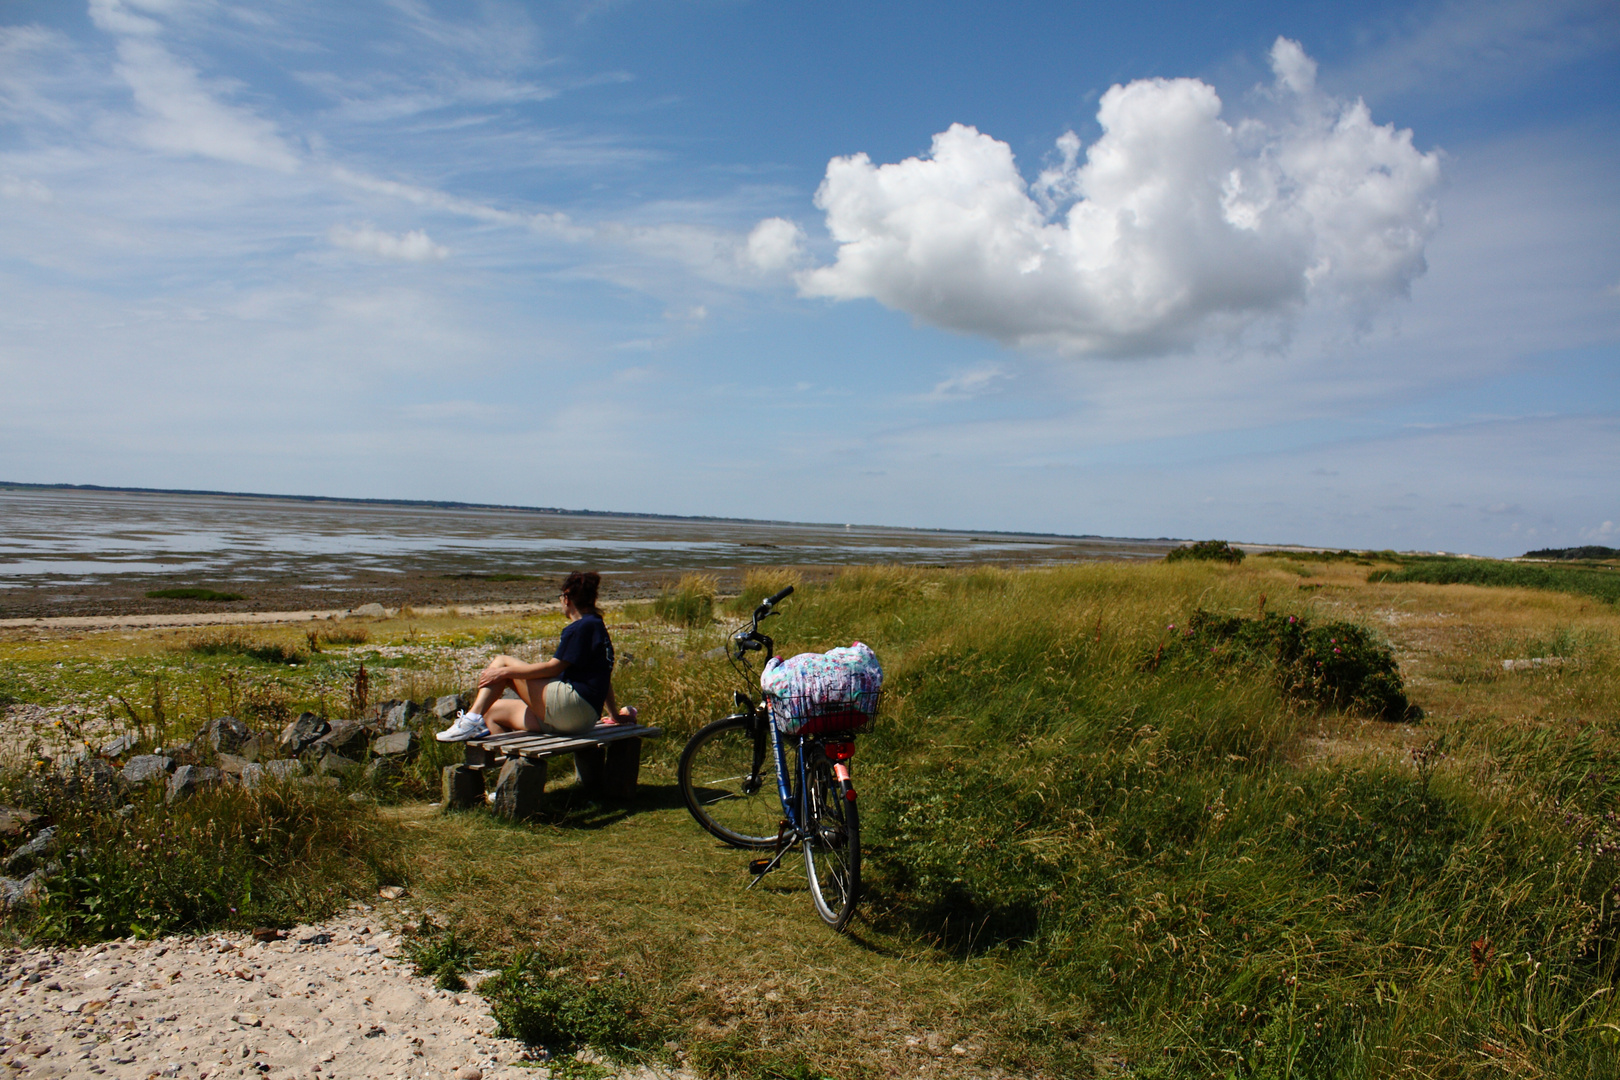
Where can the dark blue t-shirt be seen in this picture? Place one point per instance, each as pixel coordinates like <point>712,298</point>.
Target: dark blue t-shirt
<point>588,651</point>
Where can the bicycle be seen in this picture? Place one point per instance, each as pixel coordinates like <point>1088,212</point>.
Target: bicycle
<point>730,765</point>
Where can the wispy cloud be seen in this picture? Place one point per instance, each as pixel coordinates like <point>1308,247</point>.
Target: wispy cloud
<point>413,246</point>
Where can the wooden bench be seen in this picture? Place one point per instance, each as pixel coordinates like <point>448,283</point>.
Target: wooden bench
<point>607,762</point>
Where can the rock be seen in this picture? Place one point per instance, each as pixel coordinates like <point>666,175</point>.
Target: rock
<point>370,611</point>
<point>518,791</point>
<point>335,765</point>
<point>391,892</point>
<point>267,934</point>
<point>16,893</point>
<point>321,782</point>
<point>28,857</point>
<point>301,734</point>
<point>252,775</point>
<point>252,747</point>
<point>231,765</point>
<point>222,735</point>
<point>445,708</point>
<point>399,744</point>
<point>469,1072</point>
<point>610,771</point>
<point>400,715</point>
<point>461,787</point>
<point>146,768</point>
<point>350,738</point>
<point>284,768</point>
<point>190,779</point>
<point>118,747</point>
<point>14,822</point>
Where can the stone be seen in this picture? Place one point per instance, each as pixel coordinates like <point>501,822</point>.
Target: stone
<point>252,747</point>
<point>190,779</point>
<point>610,771</point>
<point>399,744</point>
<point>301,734</point>
<point>461,787</point>
<point>400,714</point>
<point>15,822</point>
<point>231,765</point>
<point>118,747</point>
<point>335,765</point>
<point>15,892</point>
<point>370,611</point>
<point>147,768</point>
<point>446,707</point>
<point>391,892</point>
<point>221,735</point>
<point>321,782</point>
<point>28,857</point>
<point>252,775</point>
<point>351,738</point>
<point>518,790</point>
<point>469,1072</point>
<point>284,768</point>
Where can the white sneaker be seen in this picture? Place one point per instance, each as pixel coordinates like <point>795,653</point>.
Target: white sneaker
<point>467,726</point>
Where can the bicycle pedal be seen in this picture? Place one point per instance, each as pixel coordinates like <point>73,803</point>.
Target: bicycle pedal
<point>758,867</point>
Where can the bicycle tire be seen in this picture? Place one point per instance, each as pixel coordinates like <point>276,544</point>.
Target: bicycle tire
<point>736,804</point>
<point>832,845</point>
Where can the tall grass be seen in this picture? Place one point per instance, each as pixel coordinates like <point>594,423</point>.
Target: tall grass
<point>1155,843</point>
<point>690,602</point>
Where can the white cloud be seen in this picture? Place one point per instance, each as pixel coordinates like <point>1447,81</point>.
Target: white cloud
<point>180,112</point>
<point>15,187</point>
<point>1178,224</point>
<point>974,383</point>
<point>414,246</point>
<point>775,244</point>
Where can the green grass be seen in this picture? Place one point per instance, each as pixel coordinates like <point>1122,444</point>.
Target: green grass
<point>1596,582</point>
<point>194,594</point>
<point>688,603</point>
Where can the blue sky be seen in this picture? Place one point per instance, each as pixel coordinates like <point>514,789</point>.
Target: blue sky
<point>1316,273</point>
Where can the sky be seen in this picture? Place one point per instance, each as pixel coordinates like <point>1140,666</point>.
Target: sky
<point>1317,273</point>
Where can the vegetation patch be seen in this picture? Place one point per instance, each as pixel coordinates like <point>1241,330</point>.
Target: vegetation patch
<point>1337,665</point>
<point>1594,552</point>
<point>1207,551</point>
<point>441,956</point>
<point>689,603</point>
<point>194,594</point>
<point>235,642</point>
<point>1597,582</point>
<point>545,1005</point>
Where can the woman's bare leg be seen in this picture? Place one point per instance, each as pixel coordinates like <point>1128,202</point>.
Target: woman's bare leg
<point>488,695</point>
<point>526,714</point>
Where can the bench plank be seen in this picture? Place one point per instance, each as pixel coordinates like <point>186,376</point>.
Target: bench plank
<point>491,751</point>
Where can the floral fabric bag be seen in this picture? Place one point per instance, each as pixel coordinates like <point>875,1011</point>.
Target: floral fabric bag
<point>821,693</point>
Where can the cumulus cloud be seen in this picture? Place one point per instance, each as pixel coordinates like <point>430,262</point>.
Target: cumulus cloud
<point>414,246</point>
<point>1175,223</point>
<point>775,244</point>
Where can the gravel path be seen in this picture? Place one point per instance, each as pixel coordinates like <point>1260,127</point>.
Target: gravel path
<point>224,1005</point>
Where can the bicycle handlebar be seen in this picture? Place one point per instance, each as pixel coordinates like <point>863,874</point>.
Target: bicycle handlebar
<point>779,597</point>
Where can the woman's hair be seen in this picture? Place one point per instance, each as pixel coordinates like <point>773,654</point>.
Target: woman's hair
<point>580,588</point>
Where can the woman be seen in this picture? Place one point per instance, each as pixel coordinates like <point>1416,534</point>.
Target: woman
<point>564,694</point>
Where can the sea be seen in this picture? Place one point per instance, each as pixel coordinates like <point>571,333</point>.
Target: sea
<point>58,536</point>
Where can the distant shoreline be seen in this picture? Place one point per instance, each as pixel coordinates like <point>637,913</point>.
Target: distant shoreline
<point>449,504</point>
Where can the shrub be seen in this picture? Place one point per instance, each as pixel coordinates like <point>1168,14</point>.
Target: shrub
<point>1208,550</point>
<point>235,642</point>
<point>1594,581</point>
<point>443,957</point>
<point>194,594</point>
<point>689,603</point>
<point>1336,664</point>
<point>758,584</point>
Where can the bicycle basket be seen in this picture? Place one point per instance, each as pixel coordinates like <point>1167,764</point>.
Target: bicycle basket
<point>824,693</point>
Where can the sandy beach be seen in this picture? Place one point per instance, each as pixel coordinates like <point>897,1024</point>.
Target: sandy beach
<point>330,1000</point>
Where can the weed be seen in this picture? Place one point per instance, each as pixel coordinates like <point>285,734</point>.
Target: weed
<point>757,584</point>
<point>557,1009</point>
<point>235,642</point>
<point>442,956</point>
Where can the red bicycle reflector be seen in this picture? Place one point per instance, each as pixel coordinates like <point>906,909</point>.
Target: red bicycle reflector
<point>849,795</point>
<point>840,751</point>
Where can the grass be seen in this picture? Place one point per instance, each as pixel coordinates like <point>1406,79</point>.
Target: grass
<point>1597,582</point>
<point>194,594</point>
<point>1079,860</point>
<point>690,602</point>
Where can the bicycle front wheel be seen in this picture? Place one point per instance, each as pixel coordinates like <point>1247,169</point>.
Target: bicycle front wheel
<point>832,845</point>
<point>728,778</point>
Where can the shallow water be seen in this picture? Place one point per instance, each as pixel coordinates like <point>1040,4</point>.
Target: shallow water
<point>56,537</point>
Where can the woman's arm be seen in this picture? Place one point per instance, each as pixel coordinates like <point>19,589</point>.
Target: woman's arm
<point>507,668</point>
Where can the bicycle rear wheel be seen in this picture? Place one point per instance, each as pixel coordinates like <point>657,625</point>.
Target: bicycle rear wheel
<point>832,845</point>
<point>728,779</point>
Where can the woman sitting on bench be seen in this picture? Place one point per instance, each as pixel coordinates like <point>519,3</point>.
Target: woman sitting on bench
<point>565,694</point>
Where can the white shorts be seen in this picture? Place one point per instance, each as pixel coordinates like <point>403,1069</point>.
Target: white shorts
<point>566,711</point>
